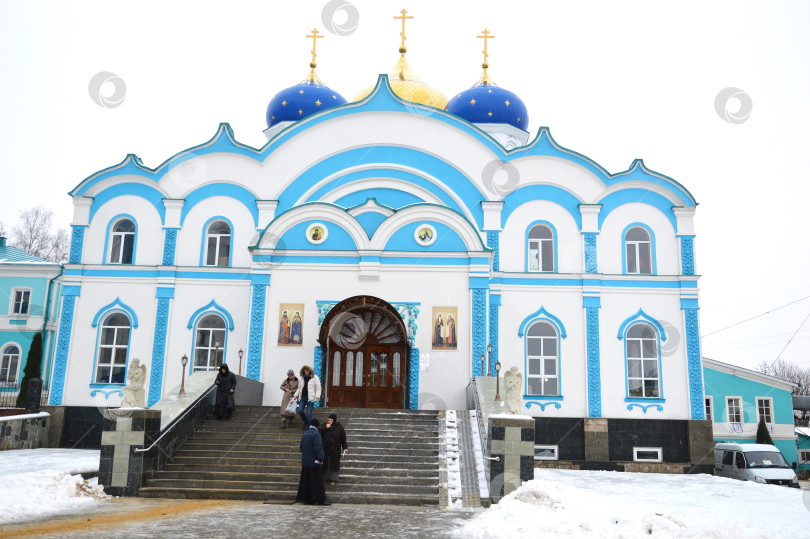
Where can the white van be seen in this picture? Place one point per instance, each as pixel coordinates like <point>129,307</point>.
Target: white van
<point>753,462</point>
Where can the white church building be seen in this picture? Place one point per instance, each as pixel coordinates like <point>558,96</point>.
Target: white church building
<point>391,242</point>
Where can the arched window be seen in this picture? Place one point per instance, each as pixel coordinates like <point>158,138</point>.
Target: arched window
<point>9,361</point>
<point>641,347</point>
<point>209,345</point>
<point>218,244</point>
<point>542,375</point>
<point>638,249</point>
<point>113,347</point>
<point>541,248</point>
<point>122,244</point>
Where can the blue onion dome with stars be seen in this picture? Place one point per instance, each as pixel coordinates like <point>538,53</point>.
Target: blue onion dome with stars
<point>485,102</point>
<point>307,97</point>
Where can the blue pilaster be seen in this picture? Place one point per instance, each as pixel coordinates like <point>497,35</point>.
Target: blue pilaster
<point>69,294</point>
<point>687,255</point>
<point>317,365</point>
<point>159,345</point>
<point>589,241</point>
<point>169,246</point>
<point>592,305</point>
<point>494,304</point>
<point>479,328</point>
<point>493,242</point>
<point>76,244</point>
<point>256,335</point>
<point>413,380</point>
<point>694,362</point>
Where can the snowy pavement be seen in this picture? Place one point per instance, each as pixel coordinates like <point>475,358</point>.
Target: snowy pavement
<point>42,495</point>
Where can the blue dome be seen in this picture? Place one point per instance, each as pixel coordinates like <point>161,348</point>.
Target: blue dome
<point>301,100</point>
<point>487,103</point>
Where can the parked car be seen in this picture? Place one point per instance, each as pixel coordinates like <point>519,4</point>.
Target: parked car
<point>760,463</point>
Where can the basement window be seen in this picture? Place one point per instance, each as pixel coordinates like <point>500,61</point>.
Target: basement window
<point>647,454</point>
<point>545,452</point>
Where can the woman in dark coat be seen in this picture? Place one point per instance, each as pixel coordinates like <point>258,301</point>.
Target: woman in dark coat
<point>226,383</point>
<point>334,443</point>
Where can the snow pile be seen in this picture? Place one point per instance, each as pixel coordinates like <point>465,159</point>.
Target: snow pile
<point>483,488</point>
<point>39,482</point>
<point>619,504</point>
<point>451,456</point>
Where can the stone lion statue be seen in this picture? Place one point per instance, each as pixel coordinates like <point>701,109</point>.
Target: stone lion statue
<point>513,380</point>
<point>133,392</point>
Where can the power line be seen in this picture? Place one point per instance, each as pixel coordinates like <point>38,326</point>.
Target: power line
<point>757,316</point>
<point>794,334</point>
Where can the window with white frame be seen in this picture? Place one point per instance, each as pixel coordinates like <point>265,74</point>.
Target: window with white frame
<point>113,347</point>
<point>638,250</point>
<point>542,377</point>
<point>734,409</point>
<point>764,409</point>
<point>9,361</point>
<point>709,408</point>
<point>647,454</point>
<point>546,452</point>
<point>122,242</point>
<point>541,248</point>
<point>209,345</point>
<point>20,302</point>
<point>804,455</point>
<point>218,244</point>
<point>641,346</point>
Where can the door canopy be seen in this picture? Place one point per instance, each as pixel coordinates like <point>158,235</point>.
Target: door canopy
<point>361,321</point>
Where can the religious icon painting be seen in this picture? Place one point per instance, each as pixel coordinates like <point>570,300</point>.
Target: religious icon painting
<point>444,334</point>
<point>316,233</point>
<point>291,324</point>
<point>425,234</point>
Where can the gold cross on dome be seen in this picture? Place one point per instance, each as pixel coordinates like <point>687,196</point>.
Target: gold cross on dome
<point>486,35</point>
<point>402,48</point>
<point>314,35</point>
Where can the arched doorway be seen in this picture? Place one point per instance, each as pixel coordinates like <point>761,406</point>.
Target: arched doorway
<point>366,351</point>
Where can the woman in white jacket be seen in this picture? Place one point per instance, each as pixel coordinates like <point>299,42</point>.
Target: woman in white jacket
<point>308,393</point>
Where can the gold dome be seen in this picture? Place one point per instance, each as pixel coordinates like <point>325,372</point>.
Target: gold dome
<point>410,87</point>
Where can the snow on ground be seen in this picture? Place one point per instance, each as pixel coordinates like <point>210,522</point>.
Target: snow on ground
<point>621,504</point>
<point>39,482</point>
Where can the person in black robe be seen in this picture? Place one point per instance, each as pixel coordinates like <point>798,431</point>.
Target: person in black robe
<point>226,384</point>
<point>334,446</point>
<point>310,486</point>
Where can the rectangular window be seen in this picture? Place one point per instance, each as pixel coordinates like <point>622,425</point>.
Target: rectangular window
<point>764,410</point>
<point>21,299</point>
<point>804,455</point>
<point>546,452</point>
<point>647,454</point>
<point>709,409</point>
<point>734,409</point>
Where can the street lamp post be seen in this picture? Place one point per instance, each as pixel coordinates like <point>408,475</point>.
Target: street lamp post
<point>483,364</point>
<point>184,362</point>
<point>489,359</point>
<point>241,353</point>
<point>498,381</point>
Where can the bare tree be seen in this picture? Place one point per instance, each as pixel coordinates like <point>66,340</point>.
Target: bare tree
<point>788,371</point>
<point>3,230</point>
<point>34,235</point>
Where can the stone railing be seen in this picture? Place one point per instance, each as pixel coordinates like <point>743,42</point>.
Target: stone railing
<point>28,431</point>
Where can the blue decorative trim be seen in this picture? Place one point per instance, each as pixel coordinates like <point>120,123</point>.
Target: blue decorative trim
<point>479,328</point>
<point>224,189</point>
<point>106,393</point>
<point>542,313</point>
<point>411,310</point>
<point>591,301</point>
<point>527,193</point>
<point>549,280</point>
<point>653,258</point>
<point>494,304</point>
<point>554,238</point>
<point>589,239</point>
<point>317,364</point>
<point>110,226</point>
<point>543,405</point>
<point>256,336</point>
<point>149,194</point>
<point>687,255</point>
<point>164,292</point>
<point>213,307</point>
<point>76,244</point>
<point>169,246</point>
<point>413,381</point>
<point>159,350</point>
<point>260,279</point>
<point>593,362</point>
<point>117,304</point>
<point>633,195</point>
<point>494,243</point>
<point>323,309</point>
<point>641,315</point>
<point>62,348</point>
<point>645,407</point>
<point>695,367</point>
<point>479,282</point>
<point>72,290</point>
<point>642,400</point>
<point>204,246</point>
<point>689,303</point>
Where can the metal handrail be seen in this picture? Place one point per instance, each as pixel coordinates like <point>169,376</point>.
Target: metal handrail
<point>481,431</point>
<point>176,421</point>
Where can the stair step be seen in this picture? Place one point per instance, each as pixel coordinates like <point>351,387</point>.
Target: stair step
<point>371,497</point>
<point>290,476</point>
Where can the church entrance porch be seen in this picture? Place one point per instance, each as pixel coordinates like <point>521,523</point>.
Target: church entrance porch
<point>366,350</point>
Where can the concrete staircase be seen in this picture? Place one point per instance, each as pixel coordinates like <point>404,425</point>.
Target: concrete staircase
<point>392,459</point>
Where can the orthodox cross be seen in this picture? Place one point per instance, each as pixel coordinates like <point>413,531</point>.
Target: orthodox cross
<point>402,48</point>
<point>314,35</point>
<point>486,35</point>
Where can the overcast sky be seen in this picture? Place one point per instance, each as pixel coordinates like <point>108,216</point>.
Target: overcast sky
<point>613,80</point>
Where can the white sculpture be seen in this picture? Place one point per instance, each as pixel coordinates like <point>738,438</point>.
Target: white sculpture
<point>133,392</point>
<point>513,380</point>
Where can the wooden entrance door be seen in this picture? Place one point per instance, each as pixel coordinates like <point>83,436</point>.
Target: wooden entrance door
<point>366,357</point>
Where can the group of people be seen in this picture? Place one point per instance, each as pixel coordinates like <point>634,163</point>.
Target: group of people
<point>321,446</point>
